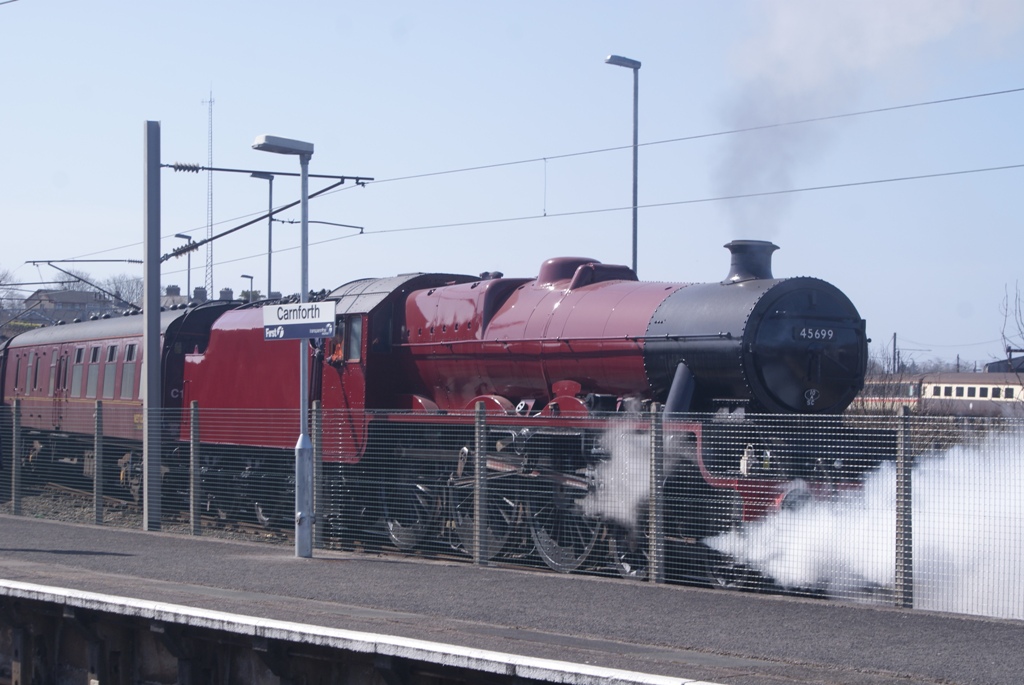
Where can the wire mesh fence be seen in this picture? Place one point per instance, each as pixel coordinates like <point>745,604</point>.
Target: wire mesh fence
<point>920,512</point>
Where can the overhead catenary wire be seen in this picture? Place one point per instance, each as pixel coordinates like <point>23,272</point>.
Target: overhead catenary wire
<point>720,198</point>
<point>717,198</point>
<point>701,136</point>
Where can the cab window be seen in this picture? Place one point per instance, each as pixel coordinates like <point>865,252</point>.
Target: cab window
<point>353,344</point>
<point>346,345</point>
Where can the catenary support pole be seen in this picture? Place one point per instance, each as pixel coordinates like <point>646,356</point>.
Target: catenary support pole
<point>194,461</point>
<point>151,454</point>
<point>97,471</point>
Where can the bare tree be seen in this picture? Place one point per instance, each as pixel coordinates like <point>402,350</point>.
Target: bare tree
<point>7,295</point>
<point>74,280</point>
<point>129,288</point>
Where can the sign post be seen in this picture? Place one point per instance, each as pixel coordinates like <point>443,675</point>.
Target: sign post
<point>301,321</point>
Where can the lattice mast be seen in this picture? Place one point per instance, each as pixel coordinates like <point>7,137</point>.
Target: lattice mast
<point>209,198</point>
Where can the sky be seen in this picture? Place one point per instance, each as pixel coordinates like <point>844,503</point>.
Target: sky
<point>497,138</point>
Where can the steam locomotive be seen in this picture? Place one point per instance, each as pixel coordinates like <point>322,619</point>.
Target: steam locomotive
<point>549,361</point>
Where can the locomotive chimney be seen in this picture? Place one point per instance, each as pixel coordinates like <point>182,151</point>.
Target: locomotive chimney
<point>750,259</point>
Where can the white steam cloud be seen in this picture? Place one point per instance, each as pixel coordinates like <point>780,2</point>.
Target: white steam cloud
<point>968,514</point>
<point>623,481</point>
<point>808,58</point>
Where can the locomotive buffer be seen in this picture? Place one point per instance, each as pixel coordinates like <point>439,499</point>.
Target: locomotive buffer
<point>297,321</point>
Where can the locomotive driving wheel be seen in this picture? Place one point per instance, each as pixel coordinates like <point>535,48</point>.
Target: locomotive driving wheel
<point>562,535</point>
<point>627,551</point>
<point>501,516</point>
<point>412,502</point>
<point>725,573</point>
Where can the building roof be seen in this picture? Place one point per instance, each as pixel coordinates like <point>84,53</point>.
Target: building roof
<point>85,297</point>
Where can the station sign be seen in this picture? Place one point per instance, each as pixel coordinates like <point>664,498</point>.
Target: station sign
<point>298,320</point>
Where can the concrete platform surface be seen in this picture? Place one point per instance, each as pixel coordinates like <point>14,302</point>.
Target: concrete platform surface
<point>686,633</point>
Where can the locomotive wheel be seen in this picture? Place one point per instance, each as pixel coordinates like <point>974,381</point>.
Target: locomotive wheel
<point>266,495</point>
<point>628,552</point>
<point>501,517</point>
<point>411,506</point>
<point>562,535</point>
<point>263,516</point>
<point>723,572</point>
<point>339,516</point>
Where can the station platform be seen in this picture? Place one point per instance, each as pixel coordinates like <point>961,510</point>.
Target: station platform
<point>597,628</point>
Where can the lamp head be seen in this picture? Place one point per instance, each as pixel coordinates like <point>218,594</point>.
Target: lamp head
<point>282,146</point>
<point>620,61</point>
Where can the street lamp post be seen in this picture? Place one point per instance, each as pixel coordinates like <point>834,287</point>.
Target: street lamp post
<point>249,299</point>
<point>188,257</point>
<point>270,223</point>
<point>633,64</point>
<point>304,447</point>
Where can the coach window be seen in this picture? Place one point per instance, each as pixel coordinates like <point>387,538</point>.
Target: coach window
<point>947,391</point>
<point>76,373</point>
<point>959,391</point>
<point>982,392</point>
<point>54,371</point>
<point>93,375</point>
<point>970,391</point>
<point>35,373</point>
<point>109,370</point>
<point>128,373</point>
<point>28,372</point>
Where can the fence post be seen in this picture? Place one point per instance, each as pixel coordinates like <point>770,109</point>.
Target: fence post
<point>656,503</point>
<point>479,486</point>
<point>16,458</point>
<point>195,513</point>
<point>97,471</point>
<point>319,494</point>
<point>904,513</point>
